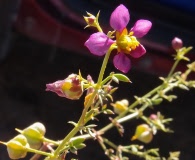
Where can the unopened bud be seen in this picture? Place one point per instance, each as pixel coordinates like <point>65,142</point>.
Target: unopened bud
<point>177,43</point>
<point>143,133</point>
<point>91,20</point>
<point>91,82</point>
<point>71,87</point>
<point>120,106</point>
<point>153,117</point>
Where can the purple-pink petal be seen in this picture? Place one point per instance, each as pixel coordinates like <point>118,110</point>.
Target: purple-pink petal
<point>138,52</point>
<point>55,87</point>
<point>141,28</point>
<point>122,62</point>
<point>98,43</point>
<point>119,18</point>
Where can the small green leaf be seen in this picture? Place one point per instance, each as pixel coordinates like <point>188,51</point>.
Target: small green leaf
<point>110,97</point>
<point>157,101</point>
<point>90,113</point>
<point>80,146</point>
<point>104,106</point>
<point>77,141</point>
<point>171,97</point>
<point>122,77</point>
<point>91,126</point>
<point>182,86</point>
<point>115,79</point>
<point>113,90</point>
<point>73,150</point>
<point>154,151</point>
<point>108,111</point>
<point>73,123</point>
<point>90,132</point>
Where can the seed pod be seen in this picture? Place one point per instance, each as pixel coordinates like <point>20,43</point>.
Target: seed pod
<point>40,127</point>
<point>143,133</point>
<point>120,106</point>
<point>16,147</point>
<point>34,134</point>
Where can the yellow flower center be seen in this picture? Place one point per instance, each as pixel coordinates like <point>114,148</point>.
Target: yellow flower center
<point>66,86</point>
<point>126,42</point>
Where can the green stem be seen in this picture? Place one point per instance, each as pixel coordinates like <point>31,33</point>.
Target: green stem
<point>39,152</point>
<point>104,64</point>
<point>111,144</point>
<point>133,105</point>
<point>106,80</point>
<point>51,141</point>
<point>99,28</point>
<point>101,74</point>
<point>81,121</point>
<point>102,145</point>
<point>128,117</point>
<point>65,140</point>
<point>187,72</point>
<point>76,128</point>
<point>173,68</point>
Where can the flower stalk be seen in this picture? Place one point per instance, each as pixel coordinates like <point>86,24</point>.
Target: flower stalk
<point>81,121</point>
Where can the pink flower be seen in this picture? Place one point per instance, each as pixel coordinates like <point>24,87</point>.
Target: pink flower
<point>126,42</point>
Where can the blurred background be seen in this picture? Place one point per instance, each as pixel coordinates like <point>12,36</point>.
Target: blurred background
<point>41,41</point>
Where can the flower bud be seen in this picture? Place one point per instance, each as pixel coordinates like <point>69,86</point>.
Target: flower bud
<point>143,133</point>
<point>153,117</point>
<point>91,20</point>
<point>177,43</point>
<point>120,106</point>
<point>71,87</point>
<point>16,147</point>
<point>91,82</point>
<point>34,134</point>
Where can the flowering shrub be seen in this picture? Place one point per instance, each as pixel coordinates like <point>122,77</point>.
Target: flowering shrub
<point>99,100</point>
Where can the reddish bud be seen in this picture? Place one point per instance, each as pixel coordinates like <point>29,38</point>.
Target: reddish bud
<point>91,20</point>
<point>71,87</point>
<point>177,43</point>
<point>153,117</point>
